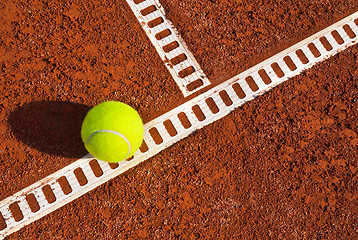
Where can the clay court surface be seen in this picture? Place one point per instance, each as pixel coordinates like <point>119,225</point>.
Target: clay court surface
<point>283,166</point>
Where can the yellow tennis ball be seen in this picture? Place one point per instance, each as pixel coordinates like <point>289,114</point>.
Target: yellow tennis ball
<point>112,131</point>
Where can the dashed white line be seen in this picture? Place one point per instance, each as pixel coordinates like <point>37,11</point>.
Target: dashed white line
<point>172,49</point>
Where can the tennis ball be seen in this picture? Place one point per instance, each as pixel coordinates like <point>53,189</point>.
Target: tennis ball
<point>112,131</point>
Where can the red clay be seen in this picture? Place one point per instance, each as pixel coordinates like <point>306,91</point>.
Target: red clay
<point>229,36</point>
<point>282,166</point>
<point>59,59</point>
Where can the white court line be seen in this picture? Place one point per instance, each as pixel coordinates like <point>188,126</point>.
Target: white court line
<point>163,34</point>
<point>237,92</point>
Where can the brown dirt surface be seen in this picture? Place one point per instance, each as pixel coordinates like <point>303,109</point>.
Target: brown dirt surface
<point>282,166</point>
<point>57,60</point>
<point>230,36</point>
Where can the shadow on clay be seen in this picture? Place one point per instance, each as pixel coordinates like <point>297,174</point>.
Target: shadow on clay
<point>52,127</point>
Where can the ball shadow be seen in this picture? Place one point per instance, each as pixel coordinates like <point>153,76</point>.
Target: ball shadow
<point>52,127</point>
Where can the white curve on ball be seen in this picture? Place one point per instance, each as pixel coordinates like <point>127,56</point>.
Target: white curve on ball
<point>114,132</point>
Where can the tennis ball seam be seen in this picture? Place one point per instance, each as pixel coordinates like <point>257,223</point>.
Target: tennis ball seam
<point>114,132</point>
